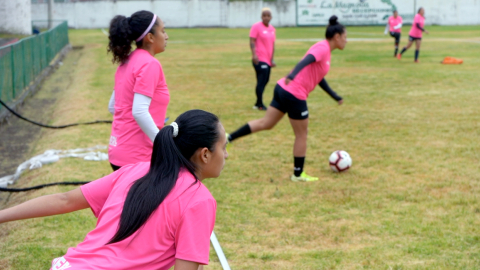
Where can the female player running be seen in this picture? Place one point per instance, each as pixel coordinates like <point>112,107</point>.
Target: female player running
<point>395,29</point>
<point>151,215</point>
<point>290,95</point>
<point>415,34</point>
<point>262,44</point>
<point>140,97</point>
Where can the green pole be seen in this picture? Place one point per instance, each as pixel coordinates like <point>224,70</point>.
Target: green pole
<point>24,68</point>
<point>12,51</point>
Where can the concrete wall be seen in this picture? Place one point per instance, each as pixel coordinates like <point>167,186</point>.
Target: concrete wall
<point>175,13</point>
<point>222,13</point>
<point>16,17</point>
<point>451,12</point>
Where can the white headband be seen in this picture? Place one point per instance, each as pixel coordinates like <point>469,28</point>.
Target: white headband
<point>148,29</point>
<point>175,129</point>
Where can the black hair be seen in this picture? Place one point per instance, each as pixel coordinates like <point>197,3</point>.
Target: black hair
<point>334,27</point>
<point>394,11</point>
<point>419,9</point>
<point>196,129</point>
<point>123,31</point>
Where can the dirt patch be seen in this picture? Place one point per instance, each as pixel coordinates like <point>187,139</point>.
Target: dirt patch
<point>18,137</point>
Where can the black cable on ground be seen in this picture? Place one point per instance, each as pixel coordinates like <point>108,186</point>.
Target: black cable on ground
<point>47,126</point>
<point>43,186</point>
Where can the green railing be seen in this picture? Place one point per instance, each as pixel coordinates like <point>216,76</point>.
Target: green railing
<point>22,61</point>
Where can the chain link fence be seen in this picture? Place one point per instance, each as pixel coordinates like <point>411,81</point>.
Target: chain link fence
<point>22,61</point>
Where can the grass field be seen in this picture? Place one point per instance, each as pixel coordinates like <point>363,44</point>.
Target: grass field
<point>410,201</point>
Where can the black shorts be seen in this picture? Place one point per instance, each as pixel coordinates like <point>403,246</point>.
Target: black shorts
<point>287,103</point>
<point>395,35</point>
<point>410,38</point>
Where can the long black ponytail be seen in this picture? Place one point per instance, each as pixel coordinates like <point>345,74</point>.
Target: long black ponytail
<point>123,31</point>
<point>334,27</point>
<point>196,129</point>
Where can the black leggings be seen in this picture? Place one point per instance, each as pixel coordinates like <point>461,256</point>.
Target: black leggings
<point>262,70</point>
<point>396,36</point>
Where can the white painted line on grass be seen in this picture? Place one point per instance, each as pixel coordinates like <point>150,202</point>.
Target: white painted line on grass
<point>320,39</point>
<point>382,39</point>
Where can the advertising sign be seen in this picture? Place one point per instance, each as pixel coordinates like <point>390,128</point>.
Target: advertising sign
<point>353,12</point>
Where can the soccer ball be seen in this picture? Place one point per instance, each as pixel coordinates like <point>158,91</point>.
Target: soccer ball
<point>340,161</point>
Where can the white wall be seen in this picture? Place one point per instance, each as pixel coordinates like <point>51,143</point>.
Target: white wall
<point>16,16</point>
<point>246,13</point>
<point>451,12</point>
<point>222,13</point>
<point>175,13</point>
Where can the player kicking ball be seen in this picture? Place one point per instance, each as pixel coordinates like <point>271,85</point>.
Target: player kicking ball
<point>290,96</point>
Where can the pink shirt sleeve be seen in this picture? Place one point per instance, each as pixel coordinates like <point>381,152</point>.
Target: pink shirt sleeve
<point>97,192</point>
<point>254,31</point>
<point>418,19</point>
<point>318,53</point>
<point>146,78</point>
<point>192,239</point>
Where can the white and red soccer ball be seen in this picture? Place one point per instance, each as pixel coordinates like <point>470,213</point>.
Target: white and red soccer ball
<point>340,161</point>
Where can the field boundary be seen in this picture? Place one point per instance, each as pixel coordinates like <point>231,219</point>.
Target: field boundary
<point>36,85</point>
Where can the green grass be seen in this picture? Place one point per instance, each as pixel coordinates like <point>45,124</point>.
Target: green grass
<point>410,201</point>
<point>7,35</point>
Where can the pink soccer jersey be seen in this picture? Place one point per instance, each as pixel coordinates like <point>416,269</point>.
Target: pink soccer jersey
<point>392,22</point>
<point>311,75</point>
<point>265,40</point>
<point>415,31</point>
<point>179,228</point>
<point>141,74</point>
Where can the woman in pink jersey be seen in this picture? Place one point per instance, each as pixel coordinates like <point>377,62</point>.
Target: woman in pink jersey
<point>290,95</point>
<point>140,97</point>
<point>395,29</point>
<point>151,215</point>
<point>262,44</point>
<point>415,34</point>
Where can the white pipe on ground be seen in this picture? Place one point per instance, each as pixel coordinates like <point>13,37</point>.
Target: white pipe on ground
<point>219,251</point>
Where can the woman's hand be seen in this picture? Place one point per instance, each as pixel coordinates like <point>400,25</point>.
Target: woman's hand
<point>340,102</point>
<point>273,64</point>
<point>255,59</point>
<point>287,81</point>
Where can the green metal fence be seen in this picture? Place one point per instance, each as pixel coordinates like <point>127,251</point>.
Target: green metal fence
<point>22,61</point>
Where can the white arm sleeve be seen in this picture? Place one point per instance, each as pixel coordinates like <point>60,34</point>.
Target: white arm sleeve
<point>398,26</point>
<point>140,112</point>
<point>111,103</point>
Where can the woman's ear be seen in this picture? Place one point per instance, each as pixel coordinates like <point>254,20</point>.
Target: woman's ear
<point>204,155</point>
<point>150,37</point>
<point>338,38</point>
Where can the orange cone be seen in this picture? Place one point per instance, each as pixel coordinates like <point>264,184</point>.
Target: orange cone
<point>451,60</point>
